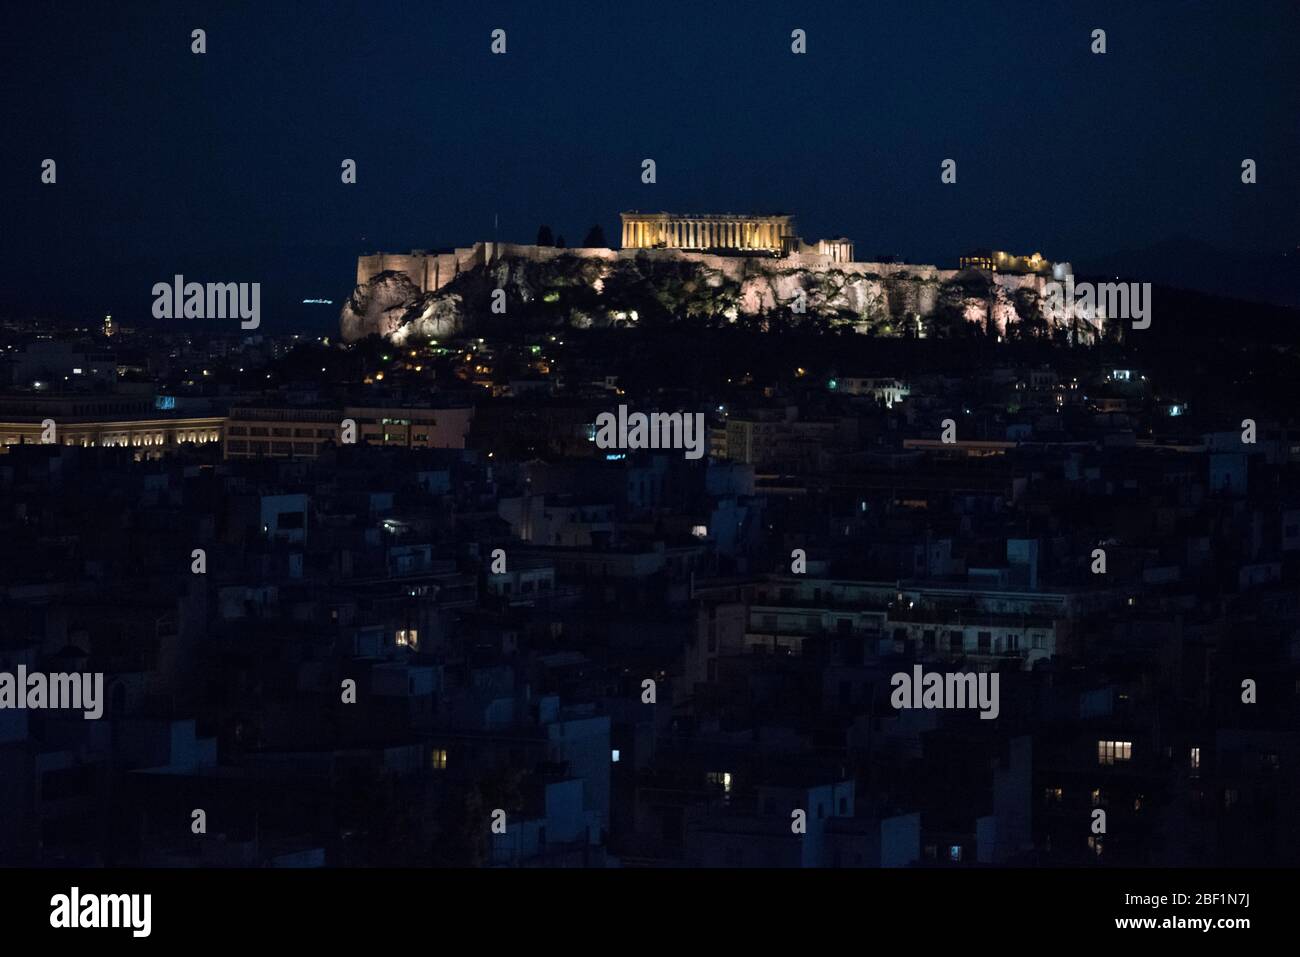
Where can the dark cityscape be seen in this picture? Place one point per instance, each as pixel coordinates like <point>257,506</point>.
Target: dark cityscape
<point>646,440</point>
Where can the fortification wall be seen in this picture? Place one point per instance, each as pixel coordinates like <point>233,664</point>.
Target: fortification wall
<point>428,271</point>
<point>495,251</point>
<point>431,271</point>
<point>370,266</point>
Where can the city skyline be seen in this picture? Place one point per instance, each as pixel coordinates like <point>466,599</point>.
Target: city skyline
<point>232,165</point>
<point>648,440</point>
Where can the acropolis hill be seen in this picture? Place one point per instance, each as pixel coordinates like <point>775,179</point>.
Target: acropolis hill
<point>723,268</point>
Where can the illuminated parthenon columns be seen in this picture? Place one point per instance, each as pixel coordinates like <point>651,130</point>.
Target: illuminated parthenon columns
<point>716,231</point>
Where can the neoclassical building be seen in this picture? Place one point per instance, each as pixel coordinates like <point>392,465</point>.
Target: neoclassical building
<point>773,234</point>
<point>103,420</point>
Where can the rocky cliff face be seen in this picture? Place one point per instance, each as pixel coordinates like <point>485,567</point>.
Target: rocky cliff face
<point>377,306</point>
<point>583,291</point>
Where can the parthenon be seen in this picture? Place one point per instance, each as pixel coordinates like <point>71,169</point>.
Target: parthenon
<point>707,231</point>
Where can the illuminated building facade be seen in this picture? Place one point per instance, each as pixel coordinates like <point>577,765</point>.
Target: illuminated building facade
<point>996,260</point>
<point>300,433</point>
<point>706,231</point>
<point>105,422</point>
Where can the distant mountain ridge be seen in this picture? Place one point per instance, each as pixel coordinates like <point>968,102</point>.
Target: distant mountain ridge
<point>1192,264</point>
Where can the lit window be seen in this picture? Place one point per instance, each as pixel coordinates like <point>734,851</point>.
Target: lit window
<point>721,777</point>
<point>440,759</point>
<point>613,755</point>
<point>954,853</point>
<point>1113,752</point>
<point>408,637</point>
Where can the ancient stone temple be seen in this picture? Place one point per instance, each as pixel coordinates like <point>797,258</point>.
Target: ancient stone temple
<point>707,231</point>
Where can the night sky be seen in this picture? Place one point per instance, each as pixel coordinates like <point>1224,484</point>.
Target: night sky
<point>226,166</point>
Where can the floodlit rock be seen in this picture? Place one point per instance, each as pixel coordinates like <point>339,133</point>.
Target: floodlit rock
<point>549,289</point>
<point>380,305</point>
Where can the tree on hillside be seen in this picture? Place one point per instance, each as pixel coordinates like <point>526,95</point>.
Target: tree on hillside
<point>559,241</point>
<point>544,236</point>
<point>595,237</point>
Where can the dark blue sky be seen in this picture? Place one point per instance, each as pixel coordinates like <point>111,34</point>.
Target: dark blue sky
<point>226,166</point>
